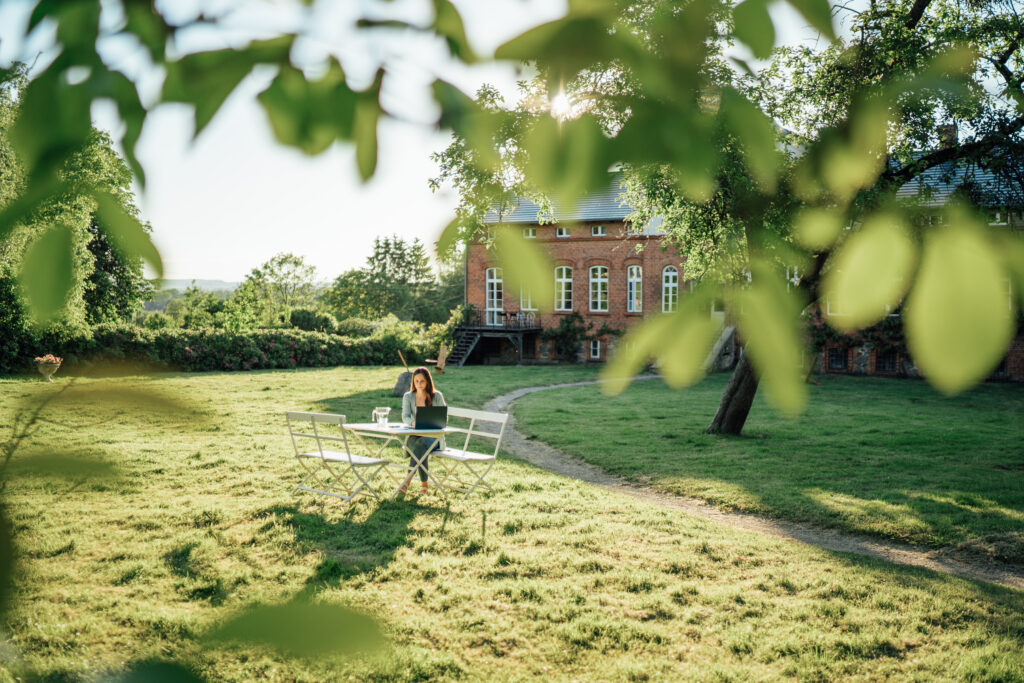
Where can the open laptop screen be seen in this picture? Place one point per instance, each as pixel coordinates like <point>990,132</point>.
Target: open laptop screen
<point>431,417</point>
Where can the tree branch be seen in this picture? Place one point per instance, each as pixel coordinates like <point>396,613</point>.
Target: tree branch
<point>893,179</point>
<point>916,12</point>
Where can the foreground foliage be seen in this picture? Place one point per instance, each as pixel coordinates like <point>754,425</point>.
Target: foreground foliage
<point>545,578</point>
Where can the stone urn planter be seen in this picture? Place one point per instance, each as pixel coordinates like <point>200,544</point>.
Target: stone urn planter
<point>47,365</point>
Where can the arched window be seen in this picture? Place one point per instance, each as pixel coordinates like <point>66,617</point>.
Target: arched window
<point>669,289</point>
<point>495,297</point>
<point>634,289</point>
<point>599,288</point>
<point>563,288</point>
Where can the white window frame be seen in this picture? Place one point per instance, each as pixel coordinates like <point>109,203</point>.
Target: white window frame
<point>669,289</point>
<point>999,217</point>
<point>634,289</point>
<point>561,232</point>
<point>526,300</point>
<point>494,296</point>
<point>598,289</point>
<point>830,310</point>
<point>598,231</point>
<point>595,348</point>
<point>530,233</point>
<point>563,288</point>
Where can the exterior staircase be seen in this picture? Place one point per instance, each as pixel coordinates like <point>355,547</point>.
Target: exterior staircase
<point>465,342</point>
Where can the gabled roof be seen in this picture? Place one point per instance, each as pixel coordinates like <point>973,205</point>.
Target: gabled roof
<point>599,206</point>
<point>937,185</point>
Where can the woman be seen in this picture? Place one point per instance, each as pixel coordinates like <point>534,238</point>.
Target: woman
<point>422,394</point>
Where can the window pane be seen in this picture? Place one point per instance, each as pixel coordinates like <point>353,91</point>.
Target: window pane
<point>634,289</point>
<point>563,288</point>
<point>669,289</point>
<point>599,288</point>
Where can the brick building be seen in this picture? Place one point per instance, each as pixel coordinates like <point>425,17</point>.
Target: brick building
<point>610,276</point>
<point>614,277</point>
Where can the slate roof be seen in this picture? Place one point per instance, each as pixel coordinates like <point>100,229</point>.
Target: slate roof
<point>600,206</point>
<point>932,188</point>
<point>935,186</point>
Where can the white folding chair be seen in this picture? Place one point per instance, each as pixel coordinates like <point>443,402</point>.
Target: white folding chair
<point>338,473</point>
<point>463,469</point>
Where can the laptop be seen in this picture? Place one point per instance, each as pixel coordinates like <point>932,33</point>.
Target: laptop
<point>431,417</point>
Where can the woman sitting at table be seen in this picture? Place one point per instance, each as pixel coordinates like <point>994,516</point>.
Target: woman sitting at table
<point>422,394</point>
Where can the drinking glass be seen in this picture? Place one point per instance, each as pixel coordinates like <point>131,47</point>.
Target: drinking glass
<point>380,416</point>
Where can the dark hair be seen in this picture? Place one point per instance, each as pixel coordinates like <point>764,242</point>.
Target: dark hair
<point>430,384</point>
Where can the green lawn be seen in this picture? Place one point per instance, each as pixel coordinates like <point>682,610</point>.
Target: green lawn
<point>885,457</point>
<point>545,578</point>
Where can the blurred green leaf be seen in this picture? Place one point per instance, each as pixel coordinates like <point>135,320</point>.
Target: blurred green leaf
<point>310,115</point>
<point>301,629</point>
<point>368,113</point>
<point>205,79</point>
<point>145,23</point>
<point>78,23</point>
<point>526,266</point>
<point>155,672</point>
<point>753,26</point>
<point>818,14</point>
<point>679,136</point>
<point>111,84</point>
<point>756,133</point>
<point>448,23</point>
<point>448,238</point>
<point>63,465</point>
<point>46,273</point>
<point>957,317</point>
<point>871,272</point>
<point>817,229</point>
<point>570,45</point>
<point>568,158</point>
<point>53,123</point>
<point>679,341</point>
<point>126,233</point>
<point>1012,248</point>
<point>7,552</point>
<point>768,319</point>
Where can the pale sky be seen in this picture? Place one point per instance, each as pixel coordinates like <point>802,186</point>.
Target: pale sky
<point>233,198</point>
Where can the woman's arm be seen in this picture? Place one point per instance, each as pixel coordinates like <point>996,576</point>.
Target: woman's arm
<point>439,399</point>
<point>408,403</point>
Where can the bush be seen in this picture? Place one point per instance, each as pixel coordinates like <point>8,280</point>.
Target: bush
<point>568,336</point>
<point>157,321</point>
<point>313,321</point>
<point>356,327</point>
<point>217,349</point>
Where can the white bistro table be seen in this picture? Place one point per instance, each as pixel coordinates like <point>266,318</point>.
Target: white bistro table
<point>399,433</point>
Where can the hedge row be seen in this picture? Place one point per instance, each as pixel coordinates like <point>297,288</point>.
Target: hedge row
<point>215,349</point>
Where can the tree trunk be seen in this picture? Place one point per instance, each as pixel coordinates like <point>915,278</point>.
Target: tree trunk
<point>736,400</point>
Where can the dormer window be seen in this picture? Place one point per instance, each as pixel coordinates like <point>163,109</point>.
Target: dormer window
<point>598,231</point>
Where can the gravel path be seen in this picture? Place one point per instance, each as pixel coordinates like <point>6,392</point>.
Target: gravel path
<point>553,460</point>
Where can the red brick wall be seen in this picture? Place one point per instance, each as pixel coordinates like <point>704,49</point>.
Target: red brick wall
<point>1015,359</point>
<point>580,250</point>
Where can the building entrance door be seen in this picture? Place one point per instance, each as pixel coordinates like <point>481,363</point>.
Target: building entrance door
<point>495,306</point>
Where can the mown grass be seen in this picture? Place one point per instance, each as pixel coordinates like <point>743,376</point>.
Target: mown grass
<point>545,578</point>
<point>885,457</point>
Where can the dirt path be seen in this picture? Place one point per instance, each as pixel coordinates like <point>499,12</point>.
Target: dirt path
<point>552,460</point>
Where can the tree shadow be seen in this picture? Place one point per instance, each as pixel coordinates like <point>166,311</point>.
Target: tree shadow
<point>353,544</point>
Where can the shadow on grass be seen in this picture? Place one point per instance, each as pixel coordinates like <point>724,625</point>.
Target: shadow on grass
<point>351,545</point>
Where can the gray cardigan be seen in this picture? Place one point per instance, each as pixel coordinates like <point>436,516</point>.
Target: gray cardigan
<point>409,408</point>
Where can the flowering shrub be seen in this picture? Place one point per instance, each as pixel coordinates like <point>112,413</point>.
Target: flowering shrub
<point>49,358</point>
<point>217,349</point>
